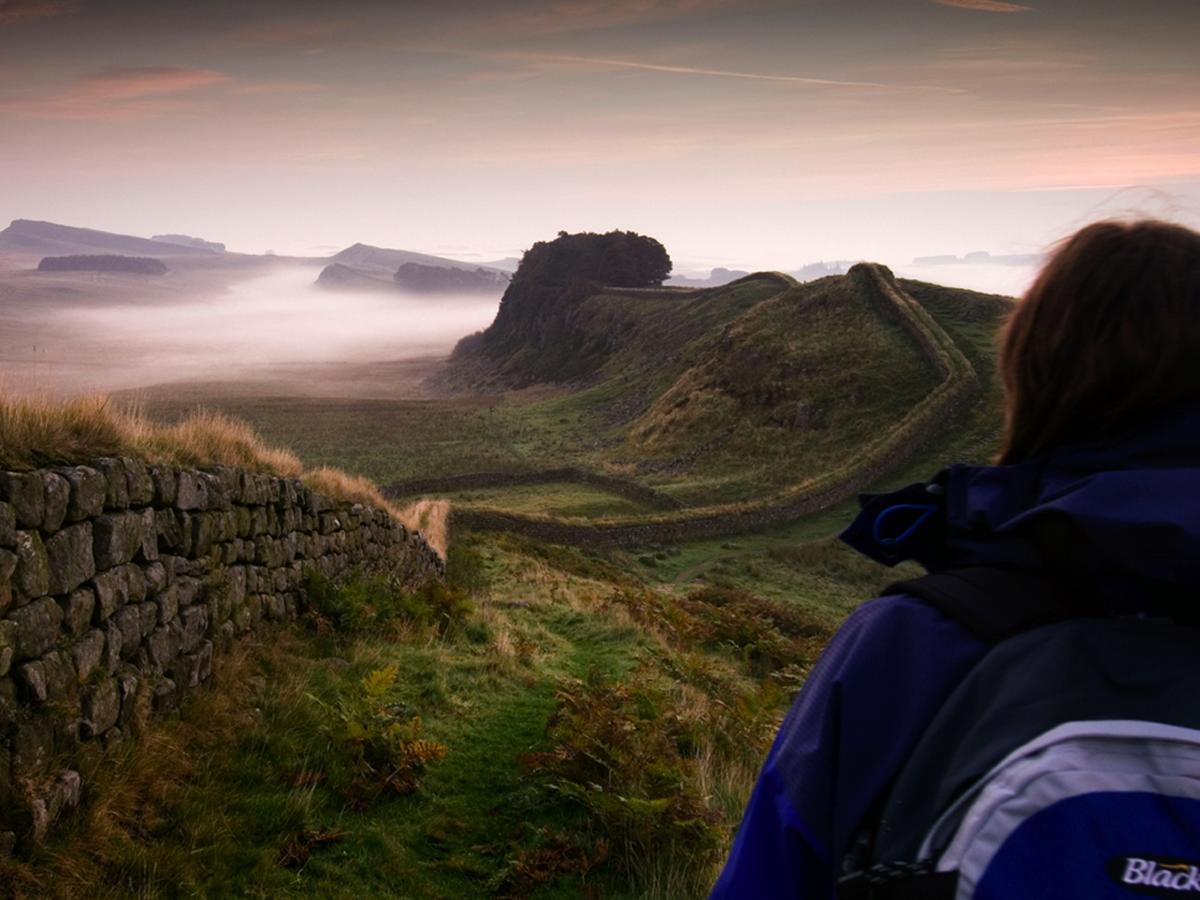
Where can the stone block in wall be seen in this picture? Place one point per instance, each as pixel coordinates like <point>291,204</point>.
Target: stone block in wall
<point>195,627</point>
<point>37,627</point>
<point>116,483</point>
<point>71,557</point>
<point>8,525</point>
<point>199,532</point>
<point>112,592</point>
<point>162,645</point>
<point>88,490</point>
<point>191,492</point>
<point>242,522</point>
<point>113,638</point>
<point>156,577</point>
<point>136,579</point>
<point>49,678</point>
<point>32,576</point>
<point>101,707</point>
<point>168,525</point>
<point>57,491</point>
<point>26,494</point>
<point>8,646</point>
<point>166,483</point>
<point>141,485</point>
<point>148,613</point>
<point>87,654</point>
<point>148,552</point>
<point>168,603</point>
<point>129,620</point>
<point>118,538</point>
<point>190,589</point>
<point>229,481</point>
<point>78,608</point>
<point>218,497</point>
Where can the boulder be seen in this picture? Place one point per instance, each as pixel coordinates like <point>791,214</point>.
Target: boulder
<point>70,556</point>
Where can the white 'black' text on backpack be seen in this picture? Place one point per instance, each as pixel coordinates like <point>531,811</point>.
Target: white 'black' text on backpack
<point>1066,764</point>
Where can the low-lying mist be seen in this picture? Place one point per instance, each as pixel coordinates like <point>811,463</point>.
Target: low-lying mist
<point>272,324</point>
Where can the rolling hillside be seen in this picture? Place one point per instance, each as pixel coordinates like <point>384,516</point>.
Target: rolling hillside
<point>25,236</point>
<point>756,403</point>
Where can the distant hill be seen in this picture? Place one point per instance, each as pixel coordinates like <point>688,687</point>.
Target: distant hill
<point>716,278</point>
<point>343,277</point>
<point>184,240</point>
<point>721,275</point>
<point>137,265</point>
<point>434,279</point>
<point>980,257</point>
<point>50,239</point>
<point>385,261</point>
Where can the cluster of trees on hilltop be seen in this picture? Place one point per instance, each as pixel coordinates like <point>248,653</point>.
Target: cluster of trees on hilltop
<point>618,259</point>
<point>139,265</point>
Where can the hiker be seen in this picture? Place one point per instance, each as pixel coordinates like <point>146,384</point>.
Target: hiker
<point>1090,519</point>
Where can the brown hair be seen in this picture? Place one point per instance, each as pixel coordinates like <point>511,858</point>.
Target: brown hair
<point>1109,331</point>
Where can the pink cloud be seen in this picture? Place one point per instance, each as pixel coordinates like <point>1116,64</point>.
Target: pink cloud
<point>14,12</point>
<point>279,87</point>
<point>119,94</point>
<point>290,30</point>
<point>991,6</point>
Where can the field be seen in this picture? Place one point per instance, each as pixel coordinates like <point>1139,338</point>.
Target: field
<point>578,721</point>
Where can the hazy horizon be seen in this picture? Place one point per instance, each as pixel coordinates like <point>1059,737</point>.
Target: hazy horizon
<point>748,134</point>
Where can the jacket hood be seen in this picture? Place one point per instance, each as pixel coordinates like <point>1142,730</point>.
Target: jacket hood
<point>1124,514</point>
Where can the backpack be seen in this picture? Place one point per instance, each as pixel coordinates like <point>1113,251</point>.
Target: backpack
<point>1066,763</point>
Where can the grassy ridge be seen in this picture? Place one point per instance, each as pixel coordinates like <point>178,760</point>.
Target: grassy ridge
<point>870,461</point>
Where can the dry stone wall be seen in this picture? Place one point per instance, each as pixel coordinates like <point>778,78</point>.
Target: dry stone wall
<point>120,581</point>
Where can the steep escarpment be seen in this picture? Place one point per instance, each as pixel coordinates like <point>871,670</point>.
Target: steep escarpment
<point>534,337</point>
<point>121,582</point>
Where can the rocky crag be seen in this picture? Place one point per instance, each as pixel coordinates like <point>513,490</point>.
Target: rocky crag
<point>120,583</point>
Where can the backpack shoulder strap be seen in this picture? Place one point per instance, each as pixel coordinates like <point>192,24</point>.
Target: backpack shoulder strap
<point>995,604</point>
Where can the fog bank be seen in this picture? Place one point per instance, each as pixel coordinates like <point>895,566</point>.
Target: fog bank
<point>280,319</point>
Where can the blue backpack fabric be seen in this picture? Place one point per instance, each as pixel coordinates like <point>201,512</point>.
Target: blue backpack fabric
<point>1066,764</point>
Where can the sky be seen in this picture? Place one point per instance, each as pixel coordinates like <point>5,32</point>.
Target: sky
<point>755,134</point>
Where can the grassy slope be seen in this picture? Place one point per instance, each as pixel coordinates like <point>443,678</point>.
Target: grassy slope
<point>206,807</point>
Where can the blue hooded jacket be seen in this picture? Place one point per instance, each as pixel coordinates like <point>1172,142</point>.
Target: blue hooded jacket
<point>1126,514</point>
